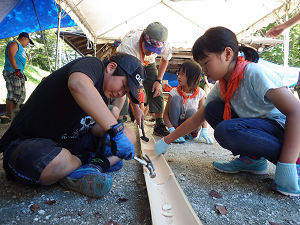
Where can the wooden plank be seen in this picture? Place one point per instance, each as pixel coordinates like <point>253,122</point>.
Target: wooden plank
<point>168,203</point>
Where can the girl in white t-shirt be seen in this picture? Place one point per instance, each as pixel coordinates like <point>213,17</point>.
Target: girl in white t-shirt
<point>185,100</point>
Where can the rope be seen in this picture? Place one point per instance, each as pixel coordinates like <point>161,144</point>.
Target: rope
<point>42,34</point>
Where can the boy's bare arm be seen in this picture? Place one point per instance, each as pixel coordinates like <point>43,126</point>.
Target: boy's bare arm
<point>166,113</point>
<point>278,29</point>
<point>88,98</point>
<point>117,105</point>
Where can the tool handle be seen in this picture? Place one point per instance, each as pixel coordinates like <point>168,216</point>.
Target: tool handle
<point>142,127</point>
<point>140,161</point>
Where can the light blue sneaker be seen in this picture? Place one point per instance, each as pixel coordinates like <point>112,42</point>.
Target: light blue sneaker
<point>285,191</point>
<point>242,164</point>
<point>88,180</point>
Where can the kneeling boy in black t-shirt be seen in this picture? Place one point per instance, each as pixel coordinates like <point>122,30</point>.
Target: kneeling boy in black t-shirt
<point>61,131</point>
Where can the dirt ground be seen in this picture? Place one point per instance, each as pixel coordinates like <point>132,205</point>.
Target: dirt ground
<point>247,198</point>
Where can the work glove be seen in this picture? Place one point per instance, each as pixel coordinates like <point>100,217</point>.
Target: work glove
<point>120,144</point>
<point>204,134</point>
<point>178,140</point>
<point>171,129</point>
<point>160,147</point>
<point>18,73</point>
<point>286,177</point>
<point>105,146</point>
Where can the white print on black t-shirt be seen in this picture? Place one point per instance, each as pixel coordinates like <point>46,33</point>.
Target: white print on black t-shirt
<point>139,79</point>
<point>86,124</point>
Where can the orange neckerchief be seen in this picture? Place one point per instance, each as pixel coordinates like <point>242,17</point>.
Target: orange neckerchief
<point>228,88</point>
<point>142,53</point>
<point>180,92</point>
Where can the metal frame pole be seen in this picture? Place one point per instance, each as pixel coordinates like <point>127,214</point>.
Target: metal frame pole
<point>58,55</point>
<point>286,44</point>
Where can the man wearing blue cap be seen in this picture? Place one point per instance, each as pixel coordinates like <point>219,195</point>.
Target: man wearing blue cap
<point>146,45</point>
<point>13,73</point>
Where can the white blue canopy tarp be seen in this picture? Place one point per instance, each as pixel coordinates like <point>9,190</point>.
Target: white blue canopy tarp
<point>107,20</point>
<point>18,16</point>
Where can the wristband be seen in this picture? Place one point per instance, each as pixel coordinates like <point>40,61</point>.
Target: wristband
<point>159,81</point>
<point>115,129</point>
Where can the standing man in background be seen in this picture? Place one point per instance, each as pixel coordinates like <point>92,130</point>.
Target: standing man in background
<point>13,73</point>
<point>146,45</point>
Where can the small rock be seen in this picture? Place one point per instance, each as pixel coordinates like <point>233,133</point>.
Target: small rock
<point>215,194</point>
<point>41,212</point>
<point>221,209</point>
<point>48,217</point>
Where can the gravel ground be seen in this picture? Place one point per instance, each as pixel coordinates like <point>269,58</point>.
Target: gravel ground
<point>248,199</point>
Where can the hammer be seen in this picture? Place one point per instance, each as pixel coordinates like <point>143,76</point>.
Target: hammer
<point>144,138</point>
<point>146,161</point>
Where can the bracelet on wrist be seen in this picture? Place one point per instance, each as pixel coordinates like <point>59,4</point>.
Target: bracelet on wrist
<point>115,129</point>
<point>160,81</point>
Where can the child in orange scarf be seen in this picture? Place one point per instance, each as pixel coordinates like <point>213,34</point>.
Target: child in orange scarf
<point>252,113</point>
<point>185,100</point>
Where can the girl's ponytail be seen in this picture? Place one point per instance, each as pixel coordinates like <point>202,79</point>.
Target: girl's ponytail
<point>216,39</point>
<point>250,54</point>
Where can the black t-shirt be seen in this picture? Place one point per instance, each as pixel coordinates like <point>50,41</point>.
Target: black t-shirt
<point>51,111</point>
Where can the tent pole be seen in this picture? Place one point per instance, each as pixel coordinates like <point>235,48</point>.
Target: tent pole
<point>95,50</point>
<point>58,55</point>
<point>42,34</point>
<point>286,43</point>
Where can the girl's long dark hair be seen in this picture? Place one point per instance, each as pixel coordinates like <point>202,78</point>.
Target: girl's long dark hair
<point>216,39</point>
<point>192,71</point>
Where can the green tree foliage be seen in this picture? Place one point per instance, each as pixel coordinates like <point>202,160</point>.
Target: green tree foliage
<point>37,54</point>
